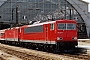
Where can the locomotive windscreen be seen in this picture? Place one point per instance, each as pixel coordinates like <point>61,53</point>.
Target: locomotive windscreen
<point>61,26</point>
<point>33,29</point>
<point>71,26</point>
<point>67,26</point>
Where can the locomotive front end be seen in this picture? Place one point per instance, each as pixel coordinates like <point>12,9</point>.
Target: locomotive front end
<point>66,34</point>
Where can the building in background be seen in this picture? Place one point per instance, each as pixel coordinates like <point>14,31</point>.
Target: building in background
<point>26,11</point>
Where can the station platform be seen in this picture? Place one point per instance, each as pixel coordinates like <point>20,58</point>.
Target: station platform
<point>85,45</point>
<point>83,39</point>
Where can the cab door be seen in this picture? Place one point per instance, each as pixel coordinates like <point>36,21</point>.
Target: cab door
<point>52,32</point>
<point>49,33</point>
<point>46,32</point>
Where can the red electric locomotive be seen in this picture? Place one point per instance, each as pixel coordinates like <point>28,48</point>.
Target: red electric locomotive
<point>53,35</point>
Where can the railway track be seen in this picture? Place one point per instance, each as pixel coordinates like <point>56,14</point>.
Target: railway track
<point>19,54</point>
<point>1,58</point>
<point>80,56</point>
<point>27,54</point>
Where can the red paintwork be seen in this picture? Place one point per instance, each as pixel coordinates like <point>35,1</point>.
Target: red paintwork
<point>12,33</point>
<point>32,36</point>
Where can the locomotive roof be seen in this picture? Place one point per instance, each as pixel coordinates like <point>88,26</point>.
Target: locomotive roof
<point>41,23</point>
<point>45,23</point>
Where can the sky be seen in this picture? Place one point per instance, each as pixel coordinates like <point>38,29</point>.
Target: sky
<point>89,3</point>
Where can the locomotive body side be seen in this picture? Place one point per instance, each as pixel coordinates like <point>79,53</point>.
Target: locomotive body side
<point>38,33</point>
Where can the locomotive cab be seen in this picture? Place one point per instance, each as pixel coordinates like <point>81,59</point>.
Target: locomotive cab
<point>66,33</point>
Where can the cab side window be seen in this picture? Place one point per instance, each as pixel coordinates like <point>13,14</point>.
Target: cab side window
<point>51,26</point>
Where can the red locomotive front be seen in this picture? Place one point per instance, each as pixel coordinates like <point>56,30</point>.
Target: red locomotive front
<point>66,33</point>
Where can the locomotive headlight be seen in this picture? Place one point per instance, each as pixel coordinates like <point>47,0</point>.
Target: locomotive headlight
<point>59,38</point>
<point>74,38</point>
